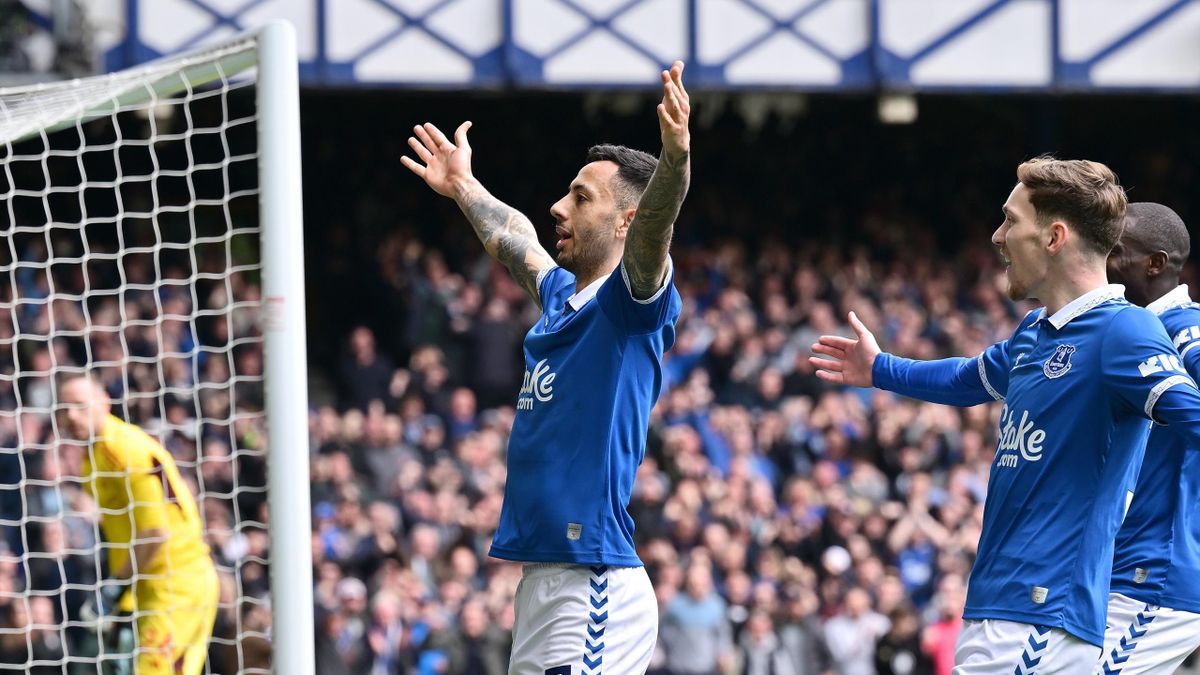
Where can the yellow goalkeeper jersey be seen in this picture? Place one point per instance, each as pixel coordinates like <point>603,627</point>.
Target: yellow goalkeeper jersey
<point>138,487</point>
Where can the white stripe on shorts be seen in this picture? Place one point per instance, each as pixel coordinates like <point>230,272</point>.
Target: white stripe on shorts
<point>994,647</point>
<point>1142,638</point>
<point>581,620</point>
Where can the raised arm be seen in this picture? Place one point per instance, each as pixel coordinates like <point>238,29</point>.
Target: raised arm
<point>649,237</point>
<point>955,381</point>
<point>506,233</point>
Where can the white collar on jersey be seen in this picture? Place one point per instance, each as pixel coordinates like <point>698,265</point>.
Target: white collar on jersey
<point>581,298</point>
<point>1083,303</point>
<point>1176,297</point>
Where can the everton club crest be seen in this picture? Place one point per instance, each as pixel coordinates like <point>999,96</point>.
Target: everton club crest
<point>1058,364</point>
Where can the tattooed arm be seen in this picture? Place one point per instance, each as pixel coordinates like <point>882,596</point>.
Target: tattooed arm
<point>649,238</point>
<point>506,234</point>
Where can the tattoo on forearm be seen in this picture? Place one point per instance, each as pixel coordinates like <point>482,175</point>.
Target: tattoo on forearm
<point>508,236</point>
<point>649,237</point>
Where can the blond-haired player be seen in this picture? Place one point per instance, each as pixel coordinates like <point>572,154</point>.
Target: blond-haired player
<point>160,569</point>
<point>1079,379</point>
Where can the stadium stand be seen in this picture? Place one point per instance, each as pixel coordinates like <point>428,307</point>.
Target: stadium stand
<point>788,526</point>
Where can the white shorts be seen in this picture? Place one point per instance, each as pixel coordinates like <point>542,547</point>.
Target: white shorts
<point>1143,638</point>
<point>580,620</point>
<point>993,647</point>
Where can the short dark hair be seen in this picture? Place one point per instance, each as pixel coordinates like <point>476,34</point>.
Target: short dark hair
<point>634,169</point>
<point>1158,228</point>
<point>1086,194</point>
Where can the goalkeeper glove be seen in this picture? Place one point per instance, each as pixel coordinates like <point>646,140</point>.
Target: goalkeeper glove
<point>103,604</point>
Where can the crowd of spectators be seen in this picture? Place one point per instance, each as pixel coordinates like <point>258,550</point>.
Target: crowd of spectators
<point>788,526</point>
<point>191,377</point>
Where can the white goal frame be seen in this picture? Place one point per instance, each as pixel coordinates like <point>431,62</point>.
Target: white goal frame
<point>285,351</point>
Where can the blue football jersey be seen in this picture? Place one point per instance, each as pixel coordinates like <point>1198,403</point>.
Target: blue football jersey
<point>1079,388</point>
<point>1157,555</point>
<point>593,371</point>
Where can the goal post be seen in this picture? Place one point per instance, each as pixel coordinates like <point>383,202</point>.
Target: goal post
<point>286,354</point>
<point>151,235</point>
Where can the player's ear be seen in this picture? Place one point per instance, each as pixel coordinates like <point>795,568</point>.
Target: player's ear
<point>1156,262</point>
<point>1057,234</point>
<point>624,221</point>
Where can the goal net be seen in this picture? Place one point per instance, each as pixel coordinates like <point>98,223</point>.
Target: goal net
<point>151,239</point>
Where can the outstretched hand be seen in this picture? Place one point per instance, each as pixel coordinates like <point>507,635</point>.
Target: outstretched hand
<point>445,164</point>
<point>674,111</point>
<point>850,360</point>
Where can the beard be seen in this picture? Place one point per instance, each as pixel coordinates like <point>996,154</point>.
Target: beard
<point>584,255</point>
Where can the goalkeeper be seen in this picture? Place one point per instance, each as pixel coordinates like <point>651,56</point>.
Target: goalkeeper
<point>159,566</point>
